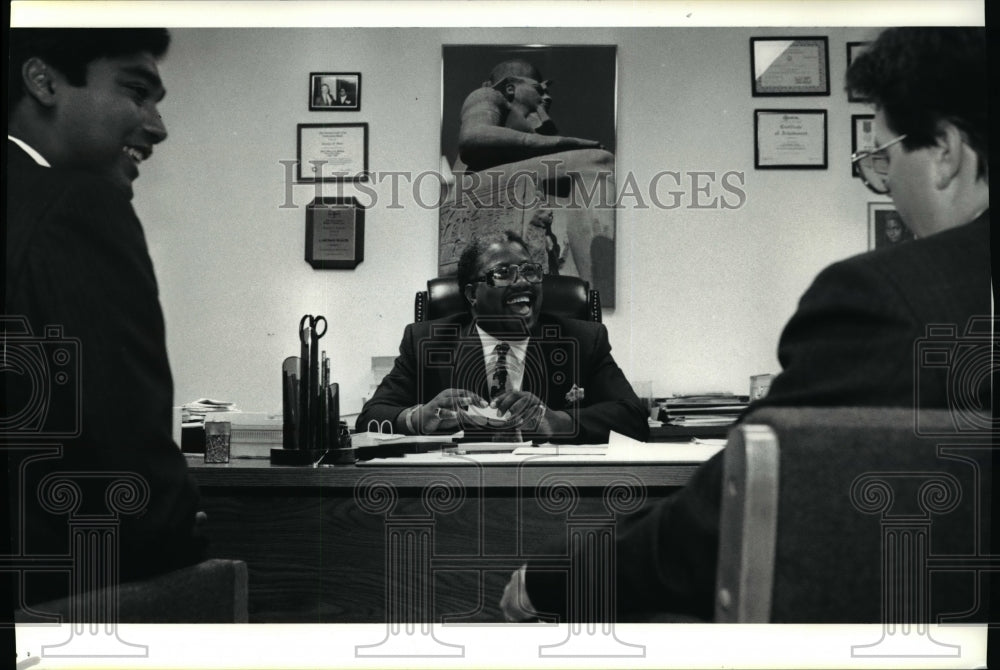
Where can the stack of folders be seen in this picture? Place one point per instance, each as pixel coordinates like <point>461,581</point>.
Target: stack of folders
<point>704,409</point>
<point>195,411</point>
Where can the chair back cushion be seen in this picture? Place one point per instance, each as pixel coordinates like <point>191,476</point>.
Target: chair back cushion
<point>568,297</point>
<point>853,515</point>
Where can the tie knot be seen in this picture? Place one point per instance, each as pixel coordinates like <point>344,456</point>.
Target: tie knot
<point>502,349</point>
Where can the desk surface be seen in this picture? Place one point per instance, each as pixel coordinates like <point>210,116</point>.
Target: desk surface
<point>654,465</point>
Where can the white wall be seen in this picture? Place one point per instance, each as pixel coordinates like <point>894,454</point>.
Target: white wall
<point>702,293</point>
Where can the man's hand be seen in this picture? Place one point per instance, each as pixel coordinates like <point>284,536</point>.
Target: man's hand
<point>515,603</point>
<point>529,413</point>
<point>441,413</point>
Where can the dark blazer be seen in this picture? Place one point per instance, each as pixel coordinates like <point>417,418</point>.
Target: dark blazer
<point>855,340</point>
<point>447,353</point>
<point>76,259</point>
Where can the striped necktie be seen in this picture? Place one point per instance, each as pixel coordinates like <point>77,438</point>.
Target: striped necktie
<point>499,384</point>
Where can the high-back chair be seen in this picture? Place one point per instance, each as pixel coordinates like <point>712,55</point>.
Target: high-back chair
<point>855,515</point>
<point>569,297</point>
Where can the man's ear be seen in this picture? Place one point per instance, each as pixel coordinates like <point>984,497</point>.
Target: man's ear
<point>470,294</point>
<point>948,153</point>
<point>38,80</point>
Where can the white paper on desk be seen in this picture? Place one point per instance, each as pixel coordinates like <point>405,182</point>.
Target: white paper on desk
<point>371,439</point>
<point>489,447</point>
<point>563,450</point>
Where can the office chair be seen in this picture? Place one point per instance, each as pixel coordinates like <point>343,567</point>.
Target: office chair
<point>854,515</point>
<point>568,297</point>
<point>213,591</point>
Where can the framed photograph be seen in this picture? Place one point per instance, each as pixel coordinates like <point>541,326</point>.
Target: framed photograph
<point>501,185</point>
<point>885,226</point>
<point>789,66</point>
<point>334,91</point>
<point>335,233</point>
<point>332,152</point>
<point>789,139</point>
<point>854,49</point>
<point>862,136</point>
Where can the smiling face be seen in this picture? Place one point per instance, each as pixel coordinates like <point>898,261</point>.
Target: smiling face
<point>521,301</point>
<point>110,124</point>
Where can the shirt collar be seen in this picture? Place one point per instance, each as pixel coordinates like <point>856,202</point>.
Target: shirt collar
<point>30,150</point>
<point>517,347</point>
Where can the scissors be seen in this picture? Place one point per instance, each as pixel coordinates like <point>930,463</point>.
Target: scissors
<point>311,329</point>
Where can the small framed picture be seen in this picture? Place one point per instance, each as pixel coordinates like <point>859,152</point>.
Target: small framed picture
<point>855,49</point>
<point>332,152</point>
<point>335,233</point>
<point>789,66</point>
<point>334,91</point>
<point>789,139</point>
<point>885,226</point>
<point>862,136</point>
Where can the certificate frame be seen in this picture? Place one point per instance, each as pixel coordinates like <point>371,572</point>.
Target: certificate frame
<point>881,217</point>
<point>855,49</point>
<point>802,145</point>
<point>335,233</point>
<point>862,137</point>
<point>790,66</point>
<point>331,152</point>
<point>349,81</point>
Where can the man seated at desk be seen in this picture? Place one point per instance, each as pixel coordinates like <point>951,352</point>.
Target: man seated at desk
<point>549,378</point>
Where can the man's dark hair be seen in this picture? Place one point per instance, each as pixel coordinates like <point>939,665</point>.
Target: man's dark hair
<point>919,77</point>
<point>70,50</point>
<point>468,262</point>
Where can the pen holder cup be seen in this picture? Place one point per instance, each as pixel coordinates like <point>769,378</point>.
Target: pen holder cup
<point>217,441</point>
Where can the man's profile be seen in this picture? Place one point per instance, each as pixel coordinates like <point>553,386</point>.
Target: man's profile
<point>82,119</point>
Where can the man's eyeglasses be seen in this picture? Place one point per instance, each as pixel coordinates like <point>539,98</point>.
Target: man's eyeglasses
<point>874,166</point>
<point>505,275</point>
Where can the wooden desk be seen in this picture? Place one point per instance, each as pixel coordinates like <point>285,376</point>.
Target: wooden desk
<point>373,543</point>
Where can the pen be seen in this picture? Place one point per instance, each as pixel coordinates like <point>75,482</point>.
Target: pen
<point>305,392</point>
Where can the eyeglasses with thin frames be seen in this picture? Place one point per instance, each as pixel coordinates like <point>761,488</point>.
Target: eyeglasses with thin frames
<point>873,165</point>
<point>505,275</point>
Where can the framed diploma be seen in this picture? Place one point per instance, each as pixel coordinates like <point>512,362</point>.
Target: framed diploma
<point>332,152</point>
<point>789,66</point>
<point>862,137</point>
<point>855,49</point>
<point>789,139</point>
<point>335,233</point>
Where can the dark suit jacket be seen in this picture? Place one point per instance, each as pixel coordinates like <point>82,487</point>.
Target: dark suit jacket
<point>76,259</point>
<point>852,342</point>
<point>447,353</point>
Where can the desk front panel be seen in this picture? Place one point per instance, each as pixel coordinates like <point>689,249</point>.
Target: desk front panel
<point>362,544</point>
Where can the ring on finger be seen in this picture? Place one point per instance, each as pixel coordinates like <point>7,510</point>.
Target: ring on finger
<point>437,412</point>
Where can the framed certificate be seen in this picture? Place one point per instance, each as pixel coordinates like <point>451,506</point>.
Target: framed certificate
<point>789,139</point>
<point>332,152</point>
<point>335,233</point>
<point>789,66</point>
<point>862,136</point>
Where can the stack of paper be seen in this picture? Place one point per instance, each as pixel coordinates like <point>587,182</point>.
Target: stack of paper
<point>195,412</point>
<point>705,409</point>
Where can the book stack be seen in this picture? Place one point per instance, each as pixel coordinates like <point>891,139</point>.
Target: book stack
<point>703,409</point>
